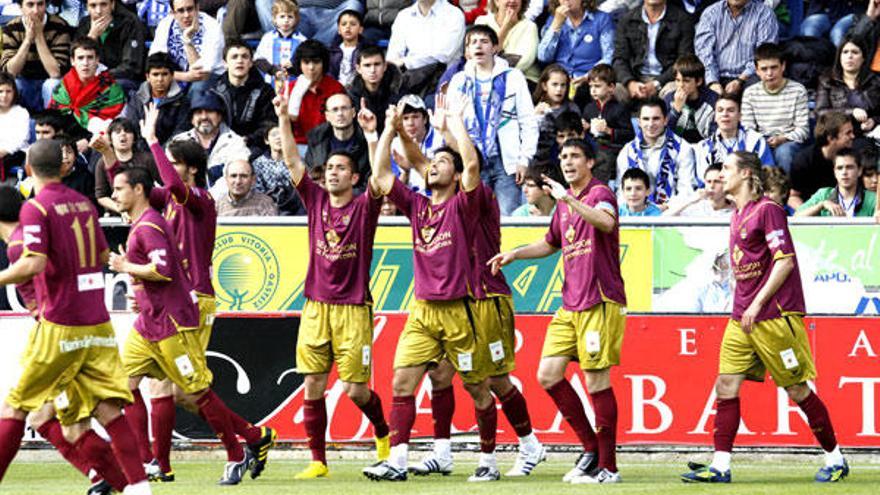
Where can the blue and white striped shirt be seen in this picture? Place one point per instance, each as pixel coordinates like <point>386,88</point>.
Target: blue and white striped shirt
<point>726,45</point>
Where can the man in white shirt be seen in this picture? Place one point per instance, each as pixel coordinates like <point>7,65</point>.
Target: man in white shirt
<point>428,32</point>
<point>194,41</point>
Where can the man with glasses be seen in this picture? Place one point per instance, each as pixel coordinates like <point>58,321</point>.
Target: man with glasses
<point>194,41</point>
<point>340,132</point>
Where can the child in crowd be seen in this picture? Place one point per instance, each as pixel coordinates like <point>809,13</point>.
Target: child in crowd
<point>869,171</point>
<point>551,95</point>
<point>345,46</point>
<point>607,121</point>
<point>275,51</point>
<point>567,125</point>
<point>777,187</point>
<point>636,186</point>
<point>539,202</point>
<point>692,104</point>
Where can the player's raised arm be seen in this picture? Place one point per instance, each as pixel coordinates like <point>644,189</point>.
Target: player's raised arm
<point>470,178</point>
<point>599,217</point>
<point>383,178</point>
<point>167,173</point>
<point>537,249</point>
<point>288,144</point>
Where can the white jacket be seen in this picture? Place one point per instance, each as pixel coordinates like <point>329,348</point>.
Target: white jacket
<point>516,125</point>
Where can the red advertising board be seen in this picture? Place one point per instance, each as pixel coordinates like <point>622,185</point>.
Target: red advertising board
<point>664,387</point>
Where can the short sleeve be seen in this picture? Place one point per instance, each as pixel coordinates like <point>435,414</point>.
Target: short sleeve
<point>154,247</point>
<point>554,233</point>
<point>34,229</point>
<point>403,198</point>
<point>601,198</point>
<point>776,232</point>
<point>309,192</point>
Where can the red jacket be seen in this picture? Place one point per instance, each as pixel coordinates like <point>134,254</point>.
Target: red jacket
<point>310,112</point>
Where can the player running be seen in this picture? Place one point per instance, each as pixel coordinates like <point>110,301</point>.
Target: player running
<point>337,319</point>
<point>190,212</point>
<point>72,356</point>
<point>441,321</point>
<point>164,342</point>
<point>492,307</point>
<point>766,330</point>
<point>589,327</point>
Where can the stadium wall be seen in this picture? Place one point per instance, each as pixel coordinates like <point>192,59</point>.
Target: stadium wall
<point>664,384</point>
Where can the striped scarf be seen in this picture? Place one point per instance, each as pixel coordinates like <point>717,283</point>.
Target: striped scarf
<point>665,180</point>
<point>99,98</point>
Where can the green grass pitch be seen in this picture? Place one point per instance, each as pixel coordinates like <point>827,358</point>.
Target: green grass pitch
<point>641,475</point>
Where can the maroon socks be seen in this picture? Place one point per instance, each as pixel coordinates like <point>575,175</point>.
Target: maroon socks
<point>605,405</point>
<point>373,411</point>
<point>572,409</point>
<point>162,420</point>
<point>403,416</point>
<point>315,412</point>
<point>517,412</point>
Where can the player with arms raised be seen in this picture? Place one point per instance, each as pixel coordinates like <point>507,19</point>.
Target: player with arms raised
<point>72,356</point>
<point>337,319</point>
<point>766,330</point>
<point>589,327</point>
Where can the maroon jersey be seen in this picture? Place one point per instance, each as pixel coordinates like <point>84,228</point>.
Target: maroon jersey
<point>167,304</point>
<point>341,244</point>
<point>62,225</point>
<point>14,248</point>
<point>758,237</point>
<point>191,213</point>
<point>590,257</point>
<point>486,244</point>
<point>441,241</point>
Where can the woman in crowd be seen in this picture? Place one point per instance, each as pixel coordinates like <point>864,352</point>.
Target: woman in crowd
<point>517,36</point>
<point>851,87</point>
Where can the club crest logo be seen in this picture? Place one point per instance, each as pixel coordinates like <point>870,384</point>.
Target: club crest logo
<point>246,271</point>
<point>737,255</point>
<point>570,234</point>
<point>331,237</point>
<point>427,232</point>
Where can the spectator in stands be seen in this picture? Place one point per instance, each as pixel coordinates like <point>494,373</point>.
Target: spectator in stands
<point>388,209</point>
<point>75,173</point>
<point>379,17</point>
<point>311,89</point>
<point>377,83</point>
<point>246,98</point>
<point>577,36</point>
<point>15,122</point>
<point>777,107</point>
<point>161,89</point>
<point>194,41</point>
<point>414,118</point>
<point>345,46</point>
<point>92,99</point>
<point>867,33</point>
<point>829,17</point>
<point>247,16</point>
<point>851,87</point>
<point>472,9</point>
<point>241,200</point>
<point>730,136</point>
<point>319,17</point>
<point>813,168</point>
<point>870,177</point>
<point>424,57</point>
<point>692,104</point>
<point>636,187</point>
<point>777,187</point>
<point>848,198</point>
<point>568,125</point>
<point>726,38</point>
<point>152,12</point>
<point>47,124</point>
<point>275,52</point>
<point>517,35</point>
<point>666,158</point>
<point>273,178</point>
<point>36,48</point>
<point>120,37</point>
<point>340,132</point>
<point>498,113</point>
<point>710,201</point>
<point>123,137</point>
<point>221,144</point>
<point>539,203</point>
<point>650,39</point>
<point>607,121</point>
<point>551,98</point>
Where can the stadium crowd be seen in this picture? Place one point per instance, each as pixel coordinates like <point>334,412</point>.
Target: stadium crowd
<point>663,91</point>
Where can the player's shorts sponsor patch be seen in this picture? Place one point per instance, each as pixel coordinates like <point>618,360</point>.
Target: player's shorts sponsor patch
<point>62,402</point>
<point>592,341</point>
<point>184,365</point>
<point>496,350</point>
<point>465,362</point>
<point>90,281</point>
<point>366,355</point>
<point>86,342</point>
<point>789,359</point>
